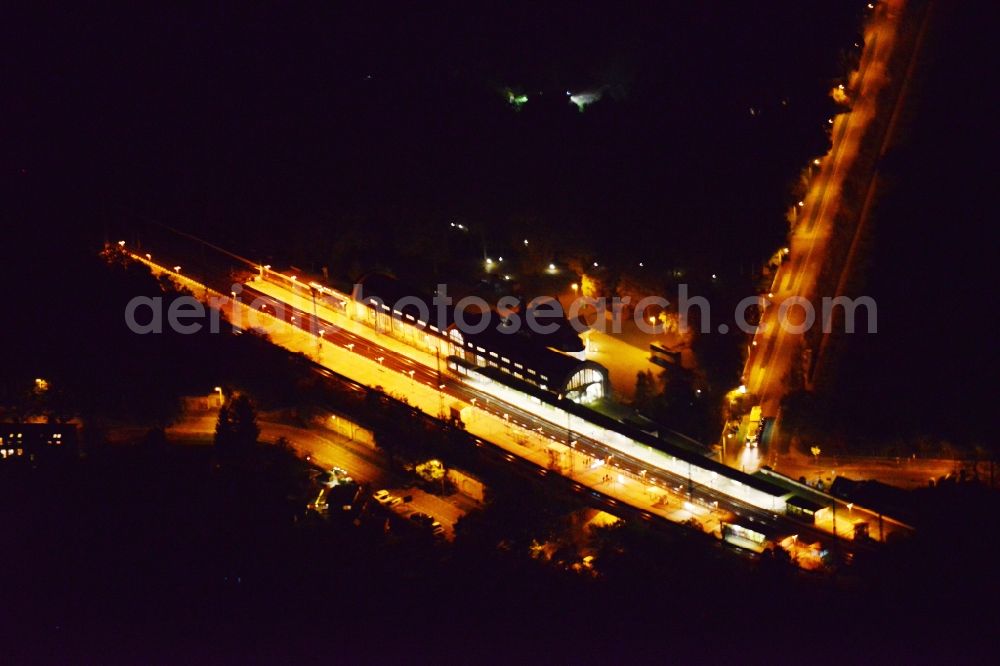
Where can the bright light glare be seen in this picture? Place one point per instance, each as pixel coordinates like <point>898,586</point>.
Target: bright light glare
<point>515,99</point>
<point>618,442</point>
<point>750,459</point>
<point>583,99</point>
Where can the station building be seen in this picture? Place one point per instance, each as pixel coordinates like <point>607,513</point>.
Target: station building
<point>477,342</point>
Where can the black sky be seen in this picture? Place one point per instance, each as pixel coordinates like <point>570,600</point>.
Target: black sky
<point>211,116</point>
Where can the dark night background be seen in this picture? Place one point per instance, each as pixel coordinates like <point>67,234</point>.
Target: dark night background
<point>263,122</point>
<point>300,131</point>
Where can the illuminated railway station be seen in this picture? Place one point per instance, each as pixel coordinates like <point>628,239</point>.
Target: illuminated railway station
<point>551,385</point>
<point>560,390</point>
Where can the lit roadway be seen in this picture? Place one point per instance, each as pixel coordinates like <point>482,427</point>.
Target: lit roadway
<point>329,449</point>
<point>776,349</point>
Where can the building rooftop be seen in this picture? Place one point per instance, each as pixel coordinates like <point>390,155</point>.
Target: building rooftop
<point>482,329</point>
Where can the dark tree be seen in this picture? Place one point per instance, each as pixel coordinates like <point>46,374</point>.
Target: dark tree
<point>645,390</point>
<point>236,432</point>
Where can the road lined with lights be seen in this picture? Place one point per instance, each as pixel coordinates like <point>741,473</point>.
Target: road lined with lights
<point>776,347</point>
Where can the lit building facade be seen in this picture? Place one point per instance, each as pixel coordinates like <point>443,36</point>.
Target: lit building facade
<point>514,357</point>
<point>30,442</point>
